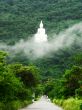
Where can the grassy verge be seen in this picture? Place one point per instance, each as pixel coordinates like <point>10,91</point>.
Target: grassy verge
<point>14,105</point>
<point>69,104</point>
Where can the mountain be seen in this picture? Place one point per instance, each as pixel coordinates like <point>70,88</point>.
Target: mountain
<point>20,18</point>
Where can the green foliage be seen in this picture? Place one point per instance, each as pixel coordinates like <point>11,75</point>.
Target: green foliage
<point>78,92</point>
<point>49,88</point>
<point>78,58</point>
<point>39,90</point>
<point>9,84</point>
<point>28,74</point>
<point>2,56</point>
<point>58,101</point>
<point>20,18</point>
<point>54,88</point>
<point>69,85</point>
<point>16,83</point>
<point>69,104</point>
<point>14,105</point>
<point>71,80</point>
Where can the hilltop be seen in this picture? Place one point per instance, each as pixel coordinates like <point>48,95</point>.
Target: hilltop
<point>20,18</point>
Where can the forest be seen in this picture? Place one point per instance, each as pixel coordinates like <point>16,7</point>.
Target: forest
<point>58,75</point>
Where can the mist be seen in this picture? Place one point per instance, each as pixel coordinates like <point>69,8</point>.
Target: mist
<point>34,50</point>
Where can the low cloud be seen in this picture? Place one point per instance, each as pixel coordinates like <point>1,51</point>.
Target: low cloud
<point>34,50</point>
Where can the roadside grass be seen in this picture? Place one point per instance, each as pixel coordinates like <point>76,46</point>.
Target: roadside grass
<point>69,104</point>
<point>14,105</point>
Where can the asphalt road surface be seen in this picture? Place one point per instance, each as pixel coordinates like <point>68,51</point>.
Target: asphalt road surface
<point>42,104</point>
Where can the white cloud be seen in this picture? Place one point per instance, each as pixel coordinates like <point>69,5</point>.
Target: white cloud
<point>35,50</point>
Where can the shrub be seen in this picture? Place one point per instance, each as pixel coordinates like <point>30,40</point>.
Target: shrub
<point>69,104</point>
<point>58,102</point>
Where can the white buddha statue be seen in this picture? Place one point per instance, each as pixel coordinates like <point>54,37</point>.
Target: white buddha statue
<point>41,36</point>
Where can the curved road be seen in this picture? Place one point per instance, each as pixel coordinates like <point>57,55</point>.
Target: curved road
<point>42,104</point>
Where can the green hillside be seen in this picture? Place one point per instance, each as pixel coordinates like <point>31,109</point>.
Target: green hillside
<point>20,18</point>
<point>58,72</point>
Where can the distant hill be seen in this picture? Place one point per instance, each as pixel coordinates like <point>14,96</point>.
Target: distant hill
<point>20,18</point>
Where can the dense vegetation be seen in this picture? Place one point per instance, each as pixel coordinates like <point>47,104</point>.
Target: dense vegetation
<point>61,72</point>
<point>17,84</point>
<point>20,18</point>
<point>67,90</point>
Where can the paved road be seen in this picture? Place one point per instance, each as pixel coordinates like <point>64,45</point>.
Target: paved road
<point>42,104</point>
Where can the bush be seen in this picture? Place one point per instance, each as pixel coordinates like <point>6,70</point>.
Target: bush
<point>69,104</point>
<point>14,105</point>
<point>58,102</point>
<point>13,92</point>
<point>1,106</point>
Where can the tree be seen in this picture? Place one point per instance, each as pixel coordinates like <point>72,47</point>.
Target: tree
<point>71,81</point>
<point>28,74</point>
<point>9,84</point>
<point>11,87</point>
